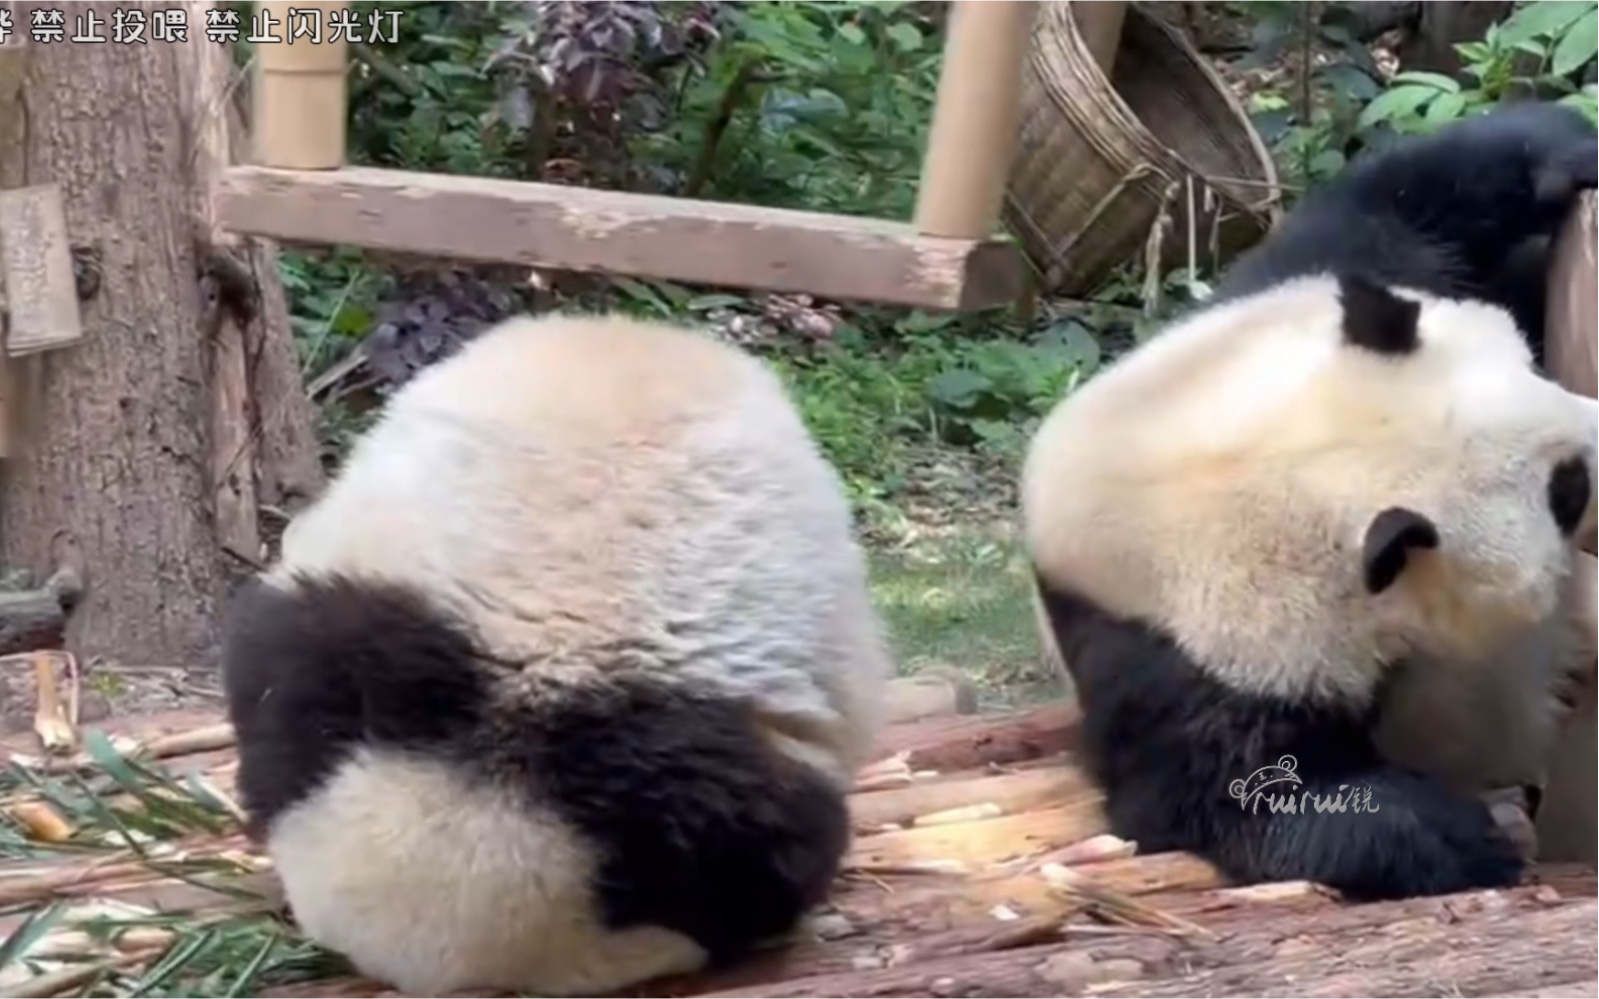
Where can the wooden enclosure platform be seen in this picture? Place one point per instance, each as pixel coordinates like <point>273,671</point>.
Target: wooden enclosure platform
<point>980,868</point>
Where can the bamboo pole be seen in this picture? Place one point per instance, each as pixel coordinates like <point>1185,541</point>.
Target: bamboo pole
<point>975,119</point>
<point>298,90</point>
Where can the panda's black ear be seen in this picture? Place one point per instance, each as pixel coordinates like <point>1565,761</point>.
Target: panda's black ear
<point>1390,537</point>
<point>1377,319</point>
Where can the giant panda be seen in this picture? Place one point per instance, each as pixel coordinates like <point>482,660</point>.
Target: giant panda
<point>560,685</point>
<point>1323,523</point>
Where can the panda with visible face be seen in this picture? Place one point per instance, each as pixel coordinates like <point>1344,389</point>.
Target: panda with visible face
<point>1328,517</point>
<point>561,684</point>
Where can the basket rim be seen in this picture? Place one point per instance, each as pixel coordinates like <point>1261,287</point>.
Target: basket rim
<point>1269,205</point>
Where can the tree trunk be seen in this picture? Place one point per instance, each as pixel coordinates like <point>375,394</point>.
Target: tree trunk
<point>264,418</point>
<point>115,470</point>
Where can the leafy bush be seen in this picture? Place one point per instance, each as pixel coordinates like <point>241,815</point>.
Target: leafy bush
<point>1546,49</point>
<point>1560,37</point>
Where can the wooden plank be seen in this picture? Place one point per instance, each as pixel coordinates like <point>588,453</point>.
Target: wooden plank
<point>36,261</point>
<point>578,229</point>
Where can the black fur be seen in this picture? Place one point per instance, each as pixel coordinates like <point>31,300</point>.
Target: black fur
<point>700,826</point>
<point>1166,741</point>
<point>1570,488</point>
<point>1459,213</point>
<point>1390,537</point>
<point>1377,319</point>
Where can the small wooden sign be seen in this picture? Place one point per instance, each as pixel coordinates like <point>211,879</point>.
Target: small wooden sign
<point>41,295</point>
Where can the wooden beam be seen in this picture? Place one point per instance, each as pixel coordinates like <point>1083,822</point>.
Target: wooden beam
<point>580,229</point>
<point>975,118</point>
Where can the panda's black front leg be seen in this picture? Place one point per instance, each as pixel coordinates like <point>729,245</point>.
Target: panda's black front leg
<point>1379,834</point>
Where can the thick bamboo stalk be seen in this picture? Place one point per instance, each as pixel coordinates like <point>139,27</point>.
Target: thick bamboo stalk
<point>298,92</point>
<point>975,119</point>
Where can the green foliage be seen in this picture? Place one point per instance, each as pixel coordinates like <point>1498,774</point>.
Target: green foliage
<point>822,106</point>
<point>1537,50</point>
<point>1542,50</point>
<point>882,411</point>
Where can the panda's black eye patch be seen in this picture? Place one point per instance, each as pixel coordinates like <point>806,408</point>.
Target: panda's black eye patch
<point>1570,488</point>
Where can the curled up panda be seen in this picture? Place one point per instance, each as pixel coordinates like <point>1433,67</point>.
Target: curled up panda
<point>1304,553</point>
<point>560,685</point>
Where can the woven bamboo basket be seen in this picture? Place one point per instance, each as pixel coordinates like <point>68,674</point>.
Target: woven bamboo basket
<point>1101,161</point>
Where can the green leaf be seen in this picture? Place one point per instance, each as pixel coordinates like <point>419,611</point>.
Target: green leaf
<point>1577,46</point>
<point>704,303</point>
<point>1437,81</point>
<point>1396,103</point>
<point>1584,102</point>
<point>1546,17</point>
<point>905,36</point>
<point>1326,163</point>
<point>852,33</point>
<point>958,388</point>
<point>32,928</point>
<point>1444,108</point>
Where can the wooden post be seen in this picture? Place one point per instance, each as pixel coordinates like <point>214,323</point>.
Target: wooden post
<point>298,91</point>
<point>975,119</point>
<point>1568,826</point>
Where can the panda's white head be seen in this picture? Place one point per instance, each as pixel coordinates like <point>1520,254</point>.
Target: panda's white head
<point>1303,485</point>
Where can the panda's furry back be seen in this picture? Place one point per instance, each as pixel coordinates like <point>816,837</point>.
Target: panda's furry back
<point>584,606</point>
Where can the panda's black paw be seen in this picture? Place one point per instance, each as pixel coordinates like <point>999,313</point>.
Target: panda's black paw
<point>1439,842</point>
<point>1567,171</point>
<point>1419,839</point>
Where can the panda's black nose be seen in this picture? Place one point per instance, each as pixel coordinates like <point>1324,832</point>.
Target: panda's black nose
<point>1570,488</point>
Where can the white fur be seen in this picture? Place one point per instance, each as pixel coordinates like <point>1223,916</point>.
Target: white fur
<point>432,885</point>
<point>1219,480</point>
<point>589,494</point>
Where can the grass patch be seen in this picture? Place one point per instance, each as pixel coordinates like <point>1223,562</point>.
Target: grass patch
<point>962,600</point>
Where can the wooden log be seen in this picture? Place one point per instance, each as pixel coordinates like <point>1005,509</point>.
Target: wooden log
<point>1463,945</point>
<point>976,115</point>
<point>298,92</point>
<point>933,693</point>
<point>1574,990</point>
<point>581,229</point>
<point>964,743</point>
<point>1012,793</point>
<point>896,906</point>
<point>871,927</point>
<point>982,842</point>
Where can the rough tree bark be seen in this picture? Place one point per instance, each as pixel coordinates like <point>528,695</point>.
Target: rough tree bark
<point>253,352</point>
<point>113,469</point>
